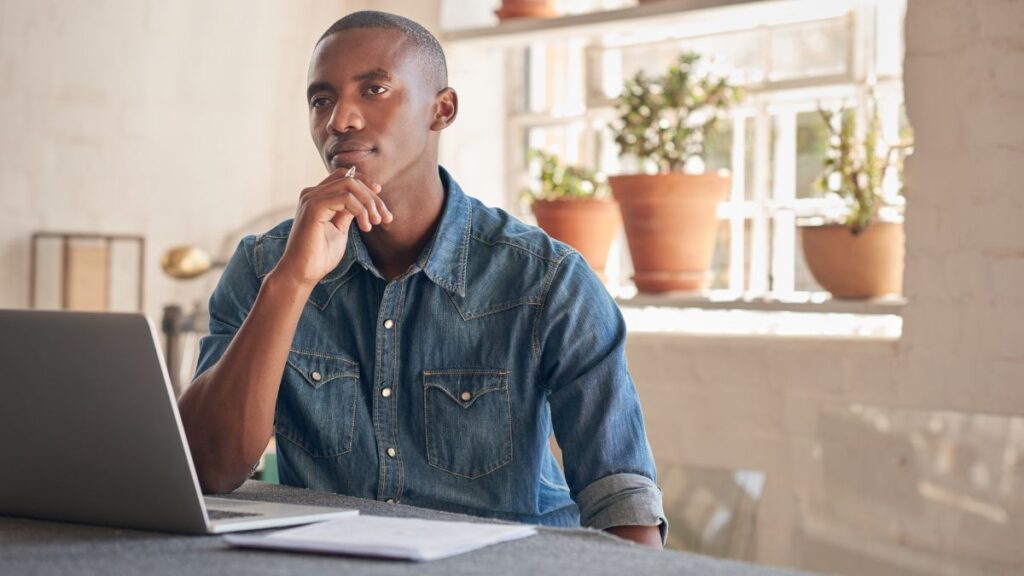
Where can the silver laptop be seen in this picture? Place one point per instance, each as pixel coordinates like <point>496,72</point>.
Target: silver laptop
<point>91,431</point>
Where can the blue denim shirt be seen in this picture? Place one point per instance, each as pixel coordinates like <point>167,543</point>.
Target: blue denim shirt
<point>442,387</point>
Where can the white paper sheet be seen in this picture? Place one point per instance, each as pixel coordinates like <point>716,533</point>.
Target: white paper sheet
<point>402,538</point>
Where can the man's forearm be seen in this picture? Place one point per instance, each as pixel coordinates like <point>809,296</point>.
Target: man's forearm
<point>649,536</point>
<point>228,412</point>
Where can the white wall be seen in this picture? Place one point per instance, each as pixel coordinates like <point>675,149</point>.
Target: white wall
<point>182,121</point>
<point>770,404</point>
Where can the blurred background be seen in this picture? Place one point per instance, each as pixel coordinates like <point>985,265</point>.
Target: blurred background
<point>880,435</point>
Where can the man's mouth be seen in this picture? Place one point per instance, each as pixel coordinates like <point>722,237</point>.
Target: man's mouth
<point>349,155</point>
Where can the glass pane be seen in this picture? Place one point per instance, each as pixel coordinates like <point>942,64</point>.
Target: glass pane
<point>720,261</point>
<point>765,177</point>
<point>718,147</point>
<point>554,77</point>
<point>802,279</point>
<point>739,54</point>
<point>808,50</point>
<point>812,137</point>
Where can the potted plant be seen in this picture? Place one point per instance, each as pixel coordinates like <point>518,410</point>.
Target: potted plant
<point>860,254</point>
<point>512,9</point>
<point>670,214</point>
<point>572,205</point>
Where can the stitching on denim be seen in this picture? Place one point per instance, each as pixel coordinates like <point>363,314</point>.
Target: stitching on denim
<point>258,250</point>
<point>526,249</point>
<point>290,440</point>
<point>535,341</point>
<point>465,248</point>
<point>324,355</point>
<point>454,371</point>
<point>493,309</point>
<point>394,380</point>
<point>330,295</point>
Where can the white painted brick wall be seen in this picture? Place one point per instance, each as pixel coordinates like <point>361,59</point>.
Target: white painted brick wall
<point>749,402</point>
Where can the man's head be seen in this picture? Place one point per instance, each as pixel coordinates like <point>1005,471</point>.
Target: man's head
<point>378,96</point>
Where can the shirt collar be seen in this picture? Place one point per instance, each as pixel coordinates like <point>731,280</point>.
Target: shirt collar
<point>444,258</point>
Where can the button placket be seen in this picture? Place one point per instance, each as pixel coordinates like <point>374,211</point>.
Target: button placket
<point>385,410</point>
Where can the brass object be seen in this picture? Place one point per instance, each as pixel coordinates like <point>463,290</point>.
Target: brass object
<point>186,262</point>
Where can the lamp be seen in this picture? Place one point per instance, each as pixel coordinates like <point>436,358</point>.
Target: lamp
<point>187,262</point>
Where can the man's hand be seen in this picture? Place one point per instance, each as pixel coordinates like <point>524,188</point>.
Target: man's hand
<point>649,536</point>
<point>319,234</point>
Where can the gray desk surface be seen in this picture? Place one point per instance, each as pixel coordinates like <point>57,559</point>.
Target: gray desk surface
<point>29,547</point>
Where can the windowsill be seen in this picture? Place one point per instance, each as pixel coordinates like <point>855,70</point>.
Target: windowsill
<point>723,314</point>
<point>816,302</point>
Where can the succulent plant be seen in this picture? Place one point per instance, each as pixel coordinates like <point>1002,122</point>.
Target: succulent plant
<point>856,164</point>
<point>665,119</point>
<point>559,181</point>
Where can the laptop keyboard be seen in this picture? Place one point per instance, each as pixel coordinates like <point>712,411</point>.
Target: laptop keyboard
<point>227,514</point>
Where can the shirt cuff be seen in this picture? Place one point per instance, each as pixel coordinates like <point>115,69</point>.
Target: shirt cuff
<point>622,500</point>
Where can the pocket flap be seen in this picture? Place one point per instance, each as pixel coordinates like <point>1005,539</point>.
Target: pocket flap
<point>464,386</point>
<point>317,368</point>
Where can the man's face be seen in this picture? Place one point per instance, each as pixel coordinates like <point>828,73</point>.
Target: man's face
<point>371,104</point>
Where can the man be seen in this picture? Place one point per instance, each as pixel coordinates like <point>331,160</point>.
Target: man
<point>402,341</point>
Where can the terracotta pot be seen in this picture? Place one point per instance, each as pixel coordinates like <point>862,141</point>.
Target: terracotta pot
<point>671,224</point>
<point>866,265</point>
<point>589,226</point>
<point>511,9</point>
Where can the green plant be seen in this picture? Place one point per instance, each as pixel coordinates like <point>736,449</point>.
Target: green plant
<point>856,164</point>
<point>665,119</point>
<point>557,181</point>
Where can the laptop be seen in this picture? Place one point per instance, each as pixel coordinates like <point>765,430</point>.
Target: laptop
<point>91,431</point>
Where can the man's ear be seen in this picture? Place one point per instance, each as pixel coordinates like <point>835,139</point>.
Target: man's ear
<point>446,108</point>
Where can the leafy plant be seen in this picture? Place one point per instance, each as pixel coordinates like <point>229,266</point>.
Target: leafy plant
<point>558,181</point>
<point>665,119</point>
<point>856,165</point>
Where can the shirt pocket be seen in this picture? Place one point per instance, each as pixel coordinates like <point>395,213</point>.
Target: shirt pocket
<point>316,406</point>
<point>468,420</point>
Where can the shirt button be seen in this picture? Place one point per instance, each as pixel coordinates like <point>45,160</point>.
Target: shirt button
<point>389,324</point>
<point>390,500</point>
<point>316,376</point>
<point>392,452</point>
<point>386,392</point>
<point>466,396</point>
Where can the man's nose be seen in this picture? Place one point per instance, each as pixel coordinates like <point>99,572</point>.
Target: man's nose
<point>345,117</point>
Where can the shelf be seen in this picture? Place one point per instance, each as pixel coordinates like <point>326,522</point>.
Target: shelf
<point>689,17</point>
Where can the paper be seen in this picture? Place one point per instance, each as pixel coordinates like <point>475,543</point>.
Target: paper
<point>402,538</point>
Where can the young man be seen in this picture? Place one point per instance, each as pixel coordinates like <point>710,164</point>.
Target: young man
<point>408,344</point>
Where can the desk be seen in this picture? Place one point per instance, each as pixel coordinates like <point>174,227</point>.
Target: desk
<point>34,547</point>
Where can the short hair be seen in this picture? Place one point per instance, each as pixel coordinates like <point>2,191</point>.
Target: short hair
<point>422,41</point>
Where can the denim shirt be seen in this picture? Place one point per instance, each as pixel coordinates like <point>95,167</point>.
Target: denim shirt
<point>442,387</point>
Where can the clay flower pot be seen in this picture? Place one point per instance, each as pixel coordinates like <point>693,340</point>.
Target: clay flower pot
<point>866,265</point>
<point>511,9</point>
<point>588,225</point>
<point>671,224</point>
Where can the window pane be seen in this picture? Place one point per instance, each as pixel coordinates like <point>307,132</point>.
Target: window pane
<point>802,279</point>
<point>812,137</point>
<point>718,147</point>
<point>720,262</point>
<point>808,50</point>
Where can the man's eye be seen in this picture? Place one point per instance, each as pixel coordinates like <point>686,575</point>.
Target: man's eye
<point>318,102</point>
<point>376,90</point>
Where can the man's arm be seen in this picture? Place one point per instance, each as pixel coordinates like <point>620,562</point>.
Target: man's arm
<point>228,411</point>
<point>595,409</point>
<point>649,536</point>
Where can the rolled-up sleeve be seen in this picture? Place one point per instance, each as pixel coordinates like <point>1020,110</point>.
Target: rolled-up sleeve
<point>230,304</point>
<point>595,408</point>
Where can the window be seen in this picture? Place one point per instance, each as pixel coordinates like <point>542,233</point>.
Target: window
<point>560,82</point>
